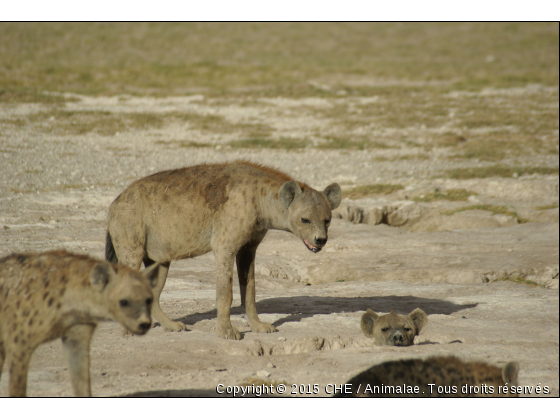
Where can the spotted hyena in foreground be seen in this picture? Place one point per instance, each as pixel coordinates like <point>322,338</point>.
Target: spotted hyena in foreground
<point>226,208</point>
<point>393,329</point>
<point>434,377</point>
<point>58,294</point>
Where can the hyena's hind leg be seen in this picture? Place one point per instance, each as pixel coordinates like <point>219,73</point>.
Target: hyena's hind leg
<point>131,258</point>
<point>157,313</point>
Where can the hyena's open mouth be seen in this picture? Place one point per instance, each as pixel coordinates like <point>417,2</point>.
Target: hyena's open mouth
<point>311,247</point>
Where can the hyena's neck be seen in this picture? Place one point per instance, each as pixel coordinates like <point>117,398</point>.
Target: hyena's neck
<point>272,213</point>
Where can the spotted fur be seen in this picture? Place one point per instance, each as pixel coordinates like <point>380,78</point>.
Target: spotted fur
<point>58,294</point>
<point>448,376</point>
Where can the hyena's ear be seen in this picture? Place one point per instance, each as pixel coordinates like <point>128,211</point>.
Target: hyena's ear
<point>151,274</point>
<point>369,319</point>
<point>100,275</point>
<point>288,192</point>
<point>510,372</point>
<point>419,318</point>
<point>334,195</point>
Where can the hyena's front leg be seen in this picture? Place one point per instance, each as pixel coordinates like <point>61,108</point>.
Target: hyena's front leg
<point>224,295</point>
<point>17,360</point>
<point>246,273</point>
<point>76,341</point>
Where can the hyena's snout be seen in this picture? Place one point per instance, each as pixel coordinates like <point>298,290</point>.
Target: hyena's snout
<point>398,339</point>
<point>143,322</point>
<point>144,326</point>
<point>321,241</point>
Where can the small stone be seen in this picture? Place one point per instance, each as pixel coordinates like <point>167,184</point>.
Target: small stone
<point>6,227</point>
<point>270,365</point>
<point>144,374</point>
<point>263,374</point>
<point>281,338</point>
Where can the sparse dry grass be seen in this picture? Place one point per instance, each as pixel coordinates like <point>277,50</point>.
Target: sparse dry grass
<point>519,278</point>
<point>218,124</point>
<point>386,85</point>
<point>448,195</point>
<point>376,189</point>
<point>498,171</point>
<point>67,122</point>
<point>488,207</point>
<point>183,143</point>
<point>282,143</point>
<point>548,207</point>
<point>237,58</point>
<point>494,147</point>
<point>351,143</point>
<point>396,158</point>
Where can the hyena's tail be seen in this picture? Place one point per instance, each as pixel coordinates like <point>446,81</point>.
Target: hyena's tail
<point>110,254</point>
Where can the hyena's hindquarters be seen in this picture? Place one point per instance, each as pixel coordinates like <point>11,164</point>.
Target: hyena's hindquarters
<point>110,254</point>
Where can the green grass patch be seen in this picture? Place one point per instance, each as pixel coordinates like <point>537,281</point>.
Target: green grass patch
<point>351,143</point>
<point>183,143</point>
<point>448,195</point>
<point>519,279</point>
<point>20,191</point>
<point>488,118</point>
<point>65,122</point>
<point>549,207</point>
<point>376,189</point>
<point>498,146</point>
<point>282,143</point>
<point>416,156</point>
<point>218,124</point>
<point>488,207</point>
<point>448,140</point>
<point>498,171</point>
<point>11,96</point>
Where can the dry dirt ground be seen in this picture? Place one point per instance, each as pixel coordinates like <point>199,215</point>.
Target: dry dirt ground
<point>488,283</point>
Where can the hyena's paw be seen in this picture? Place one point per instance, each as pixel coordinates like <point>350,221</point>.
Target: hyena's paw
<point>174,326</point>
<point>263,327</point>
<point>229,332</point>
<point>126,332</point>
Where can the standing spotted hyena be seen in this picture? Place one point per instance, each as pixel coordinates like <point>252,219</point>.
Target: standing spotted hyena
<point>226,208</point>
<point>59,294</point>
<point>440,376</point>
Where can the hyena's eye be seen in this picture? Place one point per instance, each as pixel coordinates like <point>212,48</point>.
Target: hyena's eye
<point>407,329</point>
<point>305,220</point>
<point>385,329</point>
<point>327,221</point>
<point>148,302</point>
<point>124,303</point>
